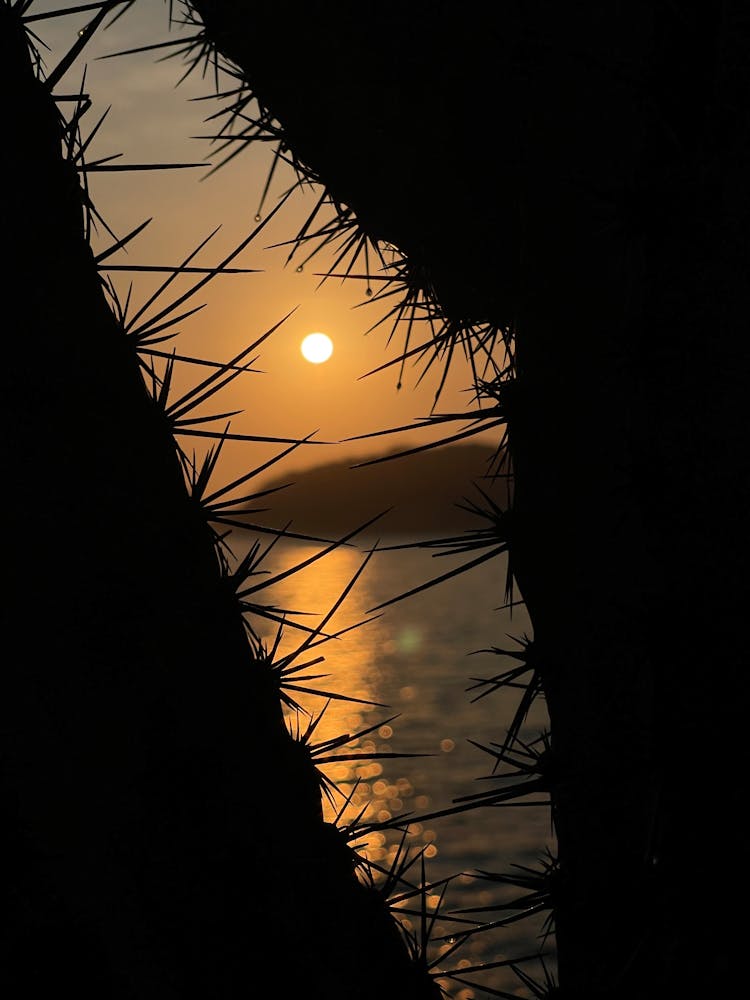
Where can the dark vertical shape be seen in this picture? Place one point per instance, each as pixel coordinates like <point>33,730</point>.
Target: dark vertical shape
<point>609,147</point>
<point>162,833</point>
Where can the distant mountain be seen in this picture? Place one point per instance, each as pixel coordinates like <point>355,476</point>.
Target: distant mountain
<point>422,489</point>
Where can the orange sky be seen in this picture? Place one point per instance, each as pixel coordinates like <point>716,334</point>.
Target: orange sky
<point>154,120</point>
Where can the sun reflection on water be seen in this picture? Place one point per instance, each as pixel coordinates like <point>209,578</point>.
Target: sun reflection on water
<point>355,668</point>
<point>409,669</point>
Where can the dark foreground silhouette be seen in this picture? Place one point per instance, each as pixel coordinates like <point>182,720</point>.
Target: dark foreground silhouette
<point>574,176</point>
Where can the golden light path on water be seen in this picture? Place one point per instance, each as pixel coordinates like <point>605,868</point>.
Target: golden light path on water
<point>356,665</point>
<point>414,662</point>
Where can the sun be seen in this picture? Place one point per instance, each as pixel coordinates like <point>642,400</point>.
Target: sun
<point>317,347</point>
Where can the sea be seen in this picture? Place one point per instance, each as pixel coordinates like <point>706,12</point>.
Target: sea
<point>401,678</point>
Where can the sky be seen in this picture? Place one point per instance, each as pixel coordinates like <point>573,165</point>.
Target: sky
<point>153,116</point>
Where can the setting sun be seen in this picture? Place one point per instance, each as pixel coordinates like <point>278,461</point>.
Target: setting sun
<point>317,347</point>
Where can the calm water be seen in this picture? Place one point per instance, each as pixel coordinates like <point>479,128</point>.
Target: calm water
<point>418,658</point>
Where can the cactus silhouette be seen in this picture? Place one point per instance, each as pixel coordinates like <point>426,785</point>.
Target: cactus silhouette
<point>564,181</point>
<point>571,178</point>
<point>142,717</point>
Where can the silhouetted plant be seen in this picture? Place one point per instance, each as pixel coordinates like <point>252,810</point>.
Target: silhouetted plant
<point>591,269</point>
<point>570,181</point>
<point>146,717</point>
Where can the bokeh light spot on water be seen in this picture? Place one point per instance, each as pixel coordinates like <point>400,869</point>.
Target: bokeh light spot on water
<point>447,745</point>
<point>409,639</point>
<point>408,693</point>
<point>385,732</point>
<point>340,773</point>
<point>373,770</point>
<point>431,851</point>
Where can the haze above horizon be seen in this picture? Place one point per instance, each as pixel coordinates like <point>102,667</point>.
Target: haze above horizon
<point>151,119</point>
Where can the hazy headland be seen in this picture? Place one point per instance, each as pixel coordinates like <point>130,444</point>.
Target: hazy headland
<point>420,495</point>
